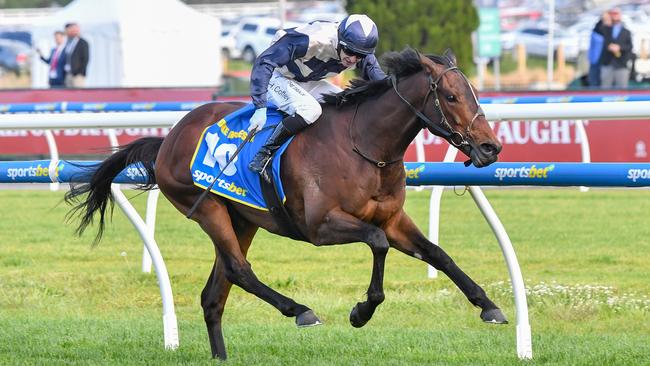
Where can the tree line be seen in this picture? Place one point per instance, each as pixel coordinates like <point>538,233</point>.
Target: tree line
<point>430,26</point>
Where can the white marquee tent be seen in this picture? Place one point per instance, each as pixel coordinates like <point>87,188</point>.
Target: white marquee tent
<point>137,43</point>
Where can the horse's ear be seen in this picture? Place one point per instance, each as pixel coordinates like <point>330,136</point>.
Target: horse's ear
<point>423,59</point>
<point>449,54</point>
<point>417,53</point>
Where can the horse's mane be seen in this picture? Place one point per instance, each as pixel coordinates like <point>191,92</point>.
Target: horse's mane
<point>400,64</point>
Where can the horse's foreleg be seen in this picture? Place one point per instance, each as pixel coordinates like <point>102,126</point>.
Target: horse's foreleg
<point>340,227</point>
<point>404,236</point>
<point>215,294</point>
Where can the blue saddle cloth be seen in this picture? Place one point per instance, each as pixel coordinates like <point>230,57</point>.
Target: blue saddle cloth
<point>217,144</point>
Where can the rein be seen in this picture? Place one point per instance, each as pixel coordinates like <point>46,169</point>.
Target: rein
<point>450,134</point>
<point>378,163</point>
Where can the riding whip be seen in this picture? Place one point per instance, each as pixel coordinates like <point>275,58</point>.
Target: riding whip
<point>232,158</point>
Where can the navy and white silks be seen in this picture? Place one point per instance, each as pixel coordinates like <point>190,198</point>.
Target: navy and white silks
<point>290,72</point>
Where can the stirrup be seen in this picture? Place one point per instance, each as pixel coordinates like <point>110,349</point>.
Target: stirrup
<point>259,164</point>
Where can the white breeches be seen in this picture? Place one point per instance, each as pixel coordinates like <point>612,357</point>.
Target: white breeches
<point>302,98</point>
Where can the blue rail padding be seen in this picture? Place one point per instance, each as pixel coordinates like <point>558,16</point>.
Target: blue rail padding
<point>80,171</point>
<point>132,107</point>
<point>99,107</point>
<point>565,99</point>
<point>189,105</point>
<point>37,171</point>
<point>446,174</point>
<point>530,174</point>
<point>30,107</point>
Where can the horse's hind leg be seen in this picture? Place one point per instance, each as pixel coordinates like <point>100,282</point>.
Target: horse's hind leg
<point>215,293</point>
<point>213,300</point>
<point>407,238</point>
<point>214,219</point>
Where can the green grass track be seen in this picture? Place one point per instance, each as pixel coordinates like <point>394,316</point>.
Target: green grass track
<point>585,259</point>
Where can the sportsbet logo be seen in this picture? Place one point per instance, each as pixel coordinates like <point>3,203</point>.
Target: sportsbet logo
<point>223,184</point>
<point>135,173</point>
<point>32,171</point>
<point>523,172</point>
<point>634,174</point>
<point>414,173</point>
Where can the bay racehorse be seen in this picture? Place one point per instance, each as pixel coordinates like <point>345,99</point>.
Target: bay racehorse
<point>343,176</point>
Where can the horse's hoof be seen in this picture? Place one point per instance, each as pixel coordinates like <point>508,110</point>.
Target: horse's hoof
<point>220,357</point>
<point>355,318</point>
<point>494,316</point>
<point>307,319</point>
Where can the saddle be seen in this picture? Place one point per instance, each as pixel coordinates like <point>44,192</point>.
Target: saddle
<point>234,181</point>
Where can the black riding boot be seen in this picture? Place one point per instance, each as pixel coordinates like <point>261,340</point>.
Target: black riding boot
<point>288,127</point>
<point>277,138</point>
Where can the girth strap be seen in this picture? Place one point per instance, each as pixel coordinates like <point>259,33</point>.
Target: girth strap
<point>276,208</point>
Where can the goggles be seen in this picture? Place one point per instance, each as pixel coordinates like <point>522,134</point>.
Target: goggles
<point>350,52</point>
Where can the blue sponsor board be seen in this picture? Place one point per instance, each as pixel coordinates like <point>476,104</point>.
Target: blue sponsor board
<point>37,171</point>
<point>564,99</point>
<point>132,107</point>
<point>530,174</point>
<point>81,171</point>
<point>99,107</point>
<point>30,107</point>
<point>497,174</point>
<point>189,105</point>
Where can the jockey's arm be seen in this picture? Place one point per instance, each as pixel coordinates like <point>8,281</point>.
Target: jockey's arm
<point>370,69</point>
<point>277,55</point>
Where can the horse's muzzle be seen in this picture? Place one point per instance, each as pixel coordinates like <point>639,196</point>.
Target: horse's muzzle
<point>485,153</point>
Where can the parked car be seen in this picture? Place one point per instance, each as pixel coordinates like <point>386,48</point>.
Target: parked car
<point>252,35</point>
<point>536,42</point>
<point>14,56</point>
<point>323,11</point>
<point>17,35</point>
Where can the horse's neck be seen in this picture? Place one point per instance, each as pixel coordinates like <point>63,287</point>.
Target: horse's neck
<point>386,126</point>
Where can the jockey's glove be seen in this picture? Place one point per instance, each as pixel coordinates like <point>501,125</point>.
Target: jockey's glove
<point>258,120</point>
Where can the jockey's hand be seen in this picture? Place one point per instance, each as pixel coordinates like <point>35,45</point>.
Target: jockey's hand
<point>258,120</point>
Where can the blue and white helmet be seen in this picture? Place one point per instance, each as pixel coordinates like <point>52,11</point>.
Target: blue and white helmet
<point>358,33</point>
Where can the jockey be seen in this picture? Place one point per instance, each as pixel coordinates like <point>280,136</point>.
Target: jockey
<point>290,74</point>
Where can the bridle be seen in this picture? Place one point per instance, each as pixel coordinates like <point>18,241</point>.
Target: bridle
<point>448,133</point>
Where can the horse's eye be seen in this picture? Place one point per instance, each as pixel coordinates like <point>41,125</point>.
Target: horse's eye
<point>451,98</point>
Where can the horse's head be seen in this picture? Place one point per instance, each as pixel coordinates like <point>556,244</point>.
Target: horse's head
<point>459,117</point>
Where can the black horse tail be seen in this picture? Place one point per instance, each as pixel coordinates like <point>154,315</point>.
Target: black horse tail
<point>143,151</point>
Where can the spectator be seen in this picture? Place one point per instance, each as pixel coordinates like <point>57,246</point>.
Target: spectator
<point>617,56</point>
<point>596,46</point>
<point>56,75</point>
<point>76,51</point>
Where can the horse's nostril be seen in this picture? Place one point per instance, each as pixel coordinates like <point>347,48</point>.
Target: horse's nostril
<point>490,148</point>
